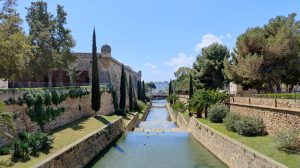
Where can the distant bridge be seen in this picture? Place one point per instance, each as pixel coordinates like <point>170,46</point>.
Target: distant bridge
<point>159,96</point>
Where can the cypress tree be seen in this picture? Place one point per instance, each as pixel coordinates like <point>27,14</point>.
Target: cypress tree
<point>130,94</point>
<point>170,87</point>
<point>139,90</point>
<point>191,92</point>
<point>95,78</point>
<point>123,92</point>
<point>143,91</point>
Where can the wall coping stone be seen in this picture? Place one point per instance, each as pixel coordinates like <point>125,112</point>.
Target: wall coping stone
<point>278,109</point>
<point>258,154</point>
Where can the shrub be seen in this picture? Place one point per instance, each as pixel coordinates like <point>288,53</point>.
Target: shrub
<point>289,141</point>
<point>29,99</point>
<point>249,126</point>
<point>140,106</point>
<point>5,150</point>
<point>217,112</point>
<point>30,144</point>
<point>47,98</point>
<point>172,98</point>
<point>230,121</point>
<point>2,106</point>
<point>56,97</point>
<point>178,106</point>
<point>10,101</point>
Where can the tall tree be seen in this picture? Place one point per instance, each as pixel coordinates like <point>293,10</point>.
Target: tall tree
<point>123,92</point>
<point>139,90</point>
<point>181,83</point>
<point>63,43</point>
<point>41,35</point>
<point>170,87</point>
<point>191,89</point>
<point>130,94</point>
<point>143,91</point>
<point>208,68</point>
<point>95,77</point>
<point>266,57</point>
<point>14,48</point>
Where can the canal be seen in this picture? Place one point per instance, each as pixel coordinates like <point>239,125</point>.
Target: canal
<point>157,146</point>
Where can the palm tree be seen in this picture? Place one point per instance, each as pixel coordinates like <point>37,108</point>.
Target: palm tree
<point>6,118</point>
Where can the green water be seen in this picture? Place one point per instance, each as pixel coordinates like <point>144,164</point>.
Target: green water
<point>156,150</point>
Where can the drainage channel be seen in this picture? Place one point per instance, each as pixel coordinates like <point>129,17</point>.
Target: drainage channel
<point>156,143</point>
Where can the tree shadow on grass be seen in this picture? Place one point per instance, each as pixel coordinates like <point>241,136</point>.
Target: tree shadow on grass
<point>102,119</point>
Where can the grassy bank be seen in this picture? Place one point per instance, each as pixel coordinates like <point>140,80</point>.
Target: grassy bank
<point>263,144</point>
<point>64,136</point>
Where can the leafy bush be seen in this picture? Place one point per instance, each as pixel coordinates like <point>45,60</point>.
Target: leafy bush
<point>78,92</point>
<point>249,126</point>
<point>230,121</point>
<point>172,98</point>
<point>5,150</point>
<point>2,106</point>
<point>217,112</point>
<point>30,144</point>
<point>140,106</point>
<point>56,97</point>
<point>29,99</point>
<point>178,106</point>
<point>20,101</point>
<point>10,101</point>
<point>47,98</point>
<point>289,141</point>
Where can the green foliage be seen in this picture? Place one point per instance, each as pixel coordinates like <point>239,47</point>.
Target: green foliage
<point>202,99</point>
<point>14,47</point>
<point>179,106</point>
<point>173,98</point>
<point>230,121</point>
<point>139,90</point>
<point>122,104</point>
<point>47,98</point>
<point>6,118</point>
<point>95,78</point>
<point>30,144</point>
<point>265,57</point>
<point>191,88</point>
<point>5,150</point>
<point>10,101</point>
<point>130,94</point>
<point>217,112</point>
<point>181,83</point>
<point>289,141</point>
<point>29,99</point>
<point>78,92</point>
<point>140,106</point>
<point>208,68</point>
<point>244,125</point>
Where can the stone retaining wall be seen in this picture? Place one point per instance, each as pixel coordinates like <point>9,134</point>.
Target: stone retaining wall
<point>74,109</point>
<point>231,152</point>
<point>271,102</point>
<point>136,120</point>
<point>181,122</point>
<point>84,150</point>
<point>173,116</point>
<point>275,119</point>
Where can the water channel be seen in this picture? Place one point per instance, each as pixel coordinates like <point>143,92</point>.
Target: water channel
<point>157,146</point>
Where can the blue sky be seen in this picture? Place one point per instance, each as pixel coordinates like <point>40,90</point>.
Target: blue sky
<point>158,36</point>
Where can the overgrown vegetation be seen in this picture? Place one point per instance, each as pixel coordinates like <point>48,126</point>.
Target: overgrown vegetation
<point>30,144</point>
<point>6,119</point>
<point>78,92</point>
<point>244,125</point>
<point>217,112</point>
<point>289,141</point>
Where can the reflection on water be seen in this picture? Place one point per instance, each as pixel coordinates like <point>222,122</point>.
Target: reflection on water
<point>157,149</point>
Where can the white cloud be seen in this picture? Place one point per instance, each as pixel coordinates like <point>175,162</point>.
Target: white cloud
<point>149,65</point>
<point>181,60</point>
<point>207,40</point>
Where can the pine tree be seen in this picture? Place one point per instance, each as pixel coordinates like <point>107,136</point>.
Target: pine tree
<point>191,92</point>
<point>123,92</point>
<point>95,78</point>
<point>130,94</point>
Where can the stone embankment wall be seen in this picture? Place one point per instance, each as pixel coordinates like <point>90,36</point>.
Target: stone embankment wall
<point>172,114</point>
<point>183,98</point>
<point>136,120</point>
<point>75,109</point>
<point>181,122</point>
<point>80,153</point>
<point>231,152</point>
<point>277,114</point>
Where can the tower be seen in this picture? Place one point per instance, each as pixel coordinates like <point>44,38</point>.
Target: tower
<point>106,55</point>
